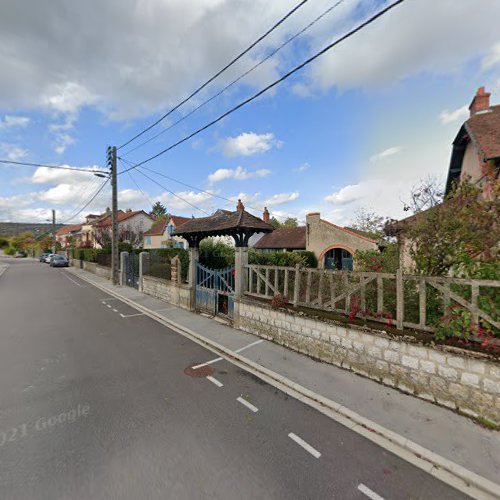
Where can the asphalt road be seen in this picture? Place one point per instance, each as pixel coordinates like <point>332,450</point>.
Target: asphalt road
<point>94,405</point>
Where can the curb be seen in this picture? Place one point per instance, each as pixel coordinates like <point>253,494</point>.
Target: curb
<point>443,469</point>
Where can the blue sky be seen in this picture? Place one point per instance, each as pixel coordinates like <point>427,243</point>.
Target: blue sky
<point>357,129</point>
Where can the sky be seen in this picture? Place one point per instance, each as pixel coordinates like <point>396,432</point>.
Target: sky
<point>357,128</point>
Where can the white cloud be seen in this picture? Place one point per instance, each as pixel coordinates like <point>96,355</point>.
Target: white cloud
<point>347,194</point>
<point>457,115</point>
<point>44,175</point>
<point>248,144</point>
<point>239,173</point>
<point>492,58</point>
<point>280,199</point>
<point>393,47</point>
<point>10,121</point>
<point>385,153</point>
<point>12,152</point>
<point>302,168</point>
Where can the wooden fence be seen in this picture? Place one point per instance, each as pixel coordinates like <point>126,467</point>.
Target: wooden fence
<point>391,298</point>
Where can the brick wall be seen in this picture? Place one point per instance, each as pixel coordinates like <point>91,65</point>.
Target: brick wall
<point>450,377</point>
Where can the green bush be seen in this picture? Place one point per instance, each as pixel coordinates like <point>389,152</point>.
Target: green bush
<point>4,242</point>
<point>10,251</point>
<point>216,254</point>
<point>171,253</point>
<point>286,259</point>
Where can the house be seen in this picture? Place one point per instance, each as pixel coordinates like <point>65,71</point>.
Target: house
<point>131,228</point>
<point>475,157</point>
<point>160,233</point>
<point>68,233</point>
<point>334,246</point>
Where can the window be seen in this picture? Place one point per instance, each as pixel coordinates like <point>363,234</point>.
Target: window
<point>170,229</point>
<point>147,240</point>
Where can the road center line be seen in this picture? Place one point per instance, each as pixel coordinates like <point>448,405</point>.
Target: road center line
<point>71,279</point>
<point>241,349</point>
<point>315,453</point>
<point>129,315</point>
<point>108,306</point>
<point>115,310</point>
<point>368,492</point>
<point>215,381</point>
<point>250,406</point>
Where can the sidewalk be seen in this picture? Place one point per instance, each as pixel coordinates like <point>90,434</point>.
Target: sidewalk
<point>442,431</point>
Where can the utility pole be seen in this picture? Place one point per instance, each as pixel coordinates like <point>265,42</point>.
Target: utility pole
<point>115,258</point>
<point>53,231</point>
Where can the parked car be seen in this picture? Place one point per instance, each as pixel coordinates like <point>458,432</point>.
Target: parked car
<point>59,261</point>
<point>49,257</point>
<point>44,256</point>
<point>20,254</point>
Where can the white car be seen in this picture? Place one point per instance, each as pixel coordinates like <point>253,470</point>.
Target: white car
<point>49,257</point>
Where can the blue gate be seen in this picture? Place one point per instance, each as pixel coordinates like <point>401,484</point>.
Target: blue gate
<point>215,290</point>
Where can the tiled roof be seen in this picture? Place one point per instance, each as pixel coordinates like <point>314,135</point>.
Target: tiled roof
<point>484,131</point>
<point>157,228</point>
<point>68,229</point>
<point>223,222</point>
<point>178,220</point>
<point>286,237</point>
<point>121,217</point>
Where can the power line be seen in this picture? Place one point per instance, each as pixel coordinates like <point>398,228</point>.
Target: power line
<point>272,85</point>
<point>199,89</point>
<point>168,190</point>
<point>243,75</point>
<point>94,196</point>
<point>214,195</point>
<point>61,167</point>
<point>137,186</point>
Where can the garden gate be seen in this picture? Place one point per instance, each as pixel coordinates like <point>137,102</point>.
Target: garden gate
<point>132,270</point>
<point>215,290</point>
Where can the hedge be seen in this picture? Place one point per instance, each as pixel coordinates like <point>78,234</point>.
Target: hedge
<point>289,259</point>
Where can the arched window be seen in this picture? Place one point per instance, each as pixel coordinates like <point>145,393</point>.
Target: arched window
<point>338,258</point>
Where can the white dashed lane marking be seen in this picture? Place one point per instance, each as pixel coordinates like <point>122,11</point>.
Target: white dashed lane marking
<point>369,493</point>
<point>130,315</point>
<point>250,406</point>
<point>220,359</point>
<point>215,381</point>
<point>315,453</point>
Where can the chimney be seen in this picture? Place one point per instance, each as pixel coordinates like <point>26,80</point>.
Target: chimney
<point>481,102</point>
<point>265,215</point>
<point>240,207</point>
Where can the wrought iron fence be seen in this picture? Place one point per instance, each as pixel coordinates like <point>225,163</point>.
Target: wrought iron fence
<point>392,298</point>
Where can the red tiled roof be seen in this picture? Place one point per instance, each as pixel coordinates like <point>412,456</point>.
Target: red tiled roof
<point>178,220</point>
<point>121,217</point>
<point>484,131</point>
<point>68,229</point>
<point>285,237</point>
<point>157,228</point>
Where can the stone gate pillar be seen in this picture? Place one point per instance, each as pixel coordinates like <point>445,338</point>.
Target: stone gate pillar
<point>143,267</point>
<point>194,255</point>
<point>240,281</point>
<point>123,268</point>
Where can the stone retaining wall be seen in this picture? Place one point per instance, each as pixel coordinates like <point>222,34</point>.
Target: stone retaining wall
<point>92,267</point>
<point>450,377</point>
<point>169,291</point>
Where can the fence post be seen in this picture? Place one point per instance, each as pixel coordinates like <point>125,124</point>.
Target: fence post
<point>123,268</point>
<point>143,267</point>
<point>175,270</point>
<point>240,270</point>
<point>400,296</point>
<point>296,285</point>
<point>194,255</point>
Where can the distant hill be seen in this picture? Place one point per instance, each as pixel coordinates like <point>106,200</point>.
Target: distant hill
<point>13,228</point>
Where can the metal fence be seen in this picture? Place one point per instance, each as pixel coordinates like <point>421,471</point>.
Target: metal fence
<point>391,298</point>
<point>103,259</point>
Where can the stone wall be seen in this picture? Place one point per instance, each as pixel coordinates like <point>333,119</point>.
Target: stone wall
<point>450,377</point>
<point>168,291</point>
<point>92,267</point>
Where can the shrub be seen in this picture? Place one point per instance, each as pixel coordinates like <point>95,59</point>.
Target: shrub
<point>216,254</point>
<point>374,261</point>
<point>278,301</point>
<point>10,251</point>
<point>287,259</point>
<point>4,242</point>
<point>170,253</point>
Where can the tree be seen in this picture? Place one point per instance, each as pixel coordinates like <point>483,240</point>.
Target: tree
<point>289,222</point>
<point>126,234</point>
<point>22,241</point>
<point>370,223</point>
<point>425,195</point>
<point>463,230</point>
<point>158,210</point>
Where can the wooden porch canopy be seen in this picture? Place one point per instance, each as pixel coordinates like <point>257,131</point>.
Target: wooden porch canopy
<point>239,224</point>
